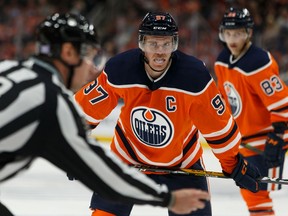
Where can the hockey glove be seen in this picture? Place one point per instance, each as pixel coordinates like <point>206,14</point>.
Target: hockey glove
<point>274,152</point>
<point>245,175</point>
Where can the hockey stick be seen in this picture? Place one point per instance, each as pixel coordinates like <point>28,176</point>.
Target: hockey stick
<point>252,148</point>
<point>181,171</point>
<point>203,173</point>
<point>256,150</point>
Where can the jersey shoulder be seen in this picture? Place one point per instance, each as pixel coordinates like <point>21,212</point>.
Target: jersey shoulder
<point>251,61</point>
<point>254,59</point>
<point>126,68</point>
<point>224,56</point>
<point>7,64</point>
<point>189,73</point>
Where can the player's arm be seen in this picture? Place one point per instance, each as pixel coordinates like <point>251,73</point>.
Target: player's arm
<point>221,132</point>
<point>97,99</point>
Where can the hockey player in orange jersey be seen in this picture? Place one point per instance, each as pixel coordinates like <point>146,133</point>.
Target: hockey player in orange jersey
<point>248,79</point>
<point>169,98</point>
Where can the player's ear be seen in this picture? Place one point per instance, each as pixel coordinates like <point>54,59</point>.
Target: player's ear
<point>250,33</point>
<point>69,53</point>
<point>67,50</point>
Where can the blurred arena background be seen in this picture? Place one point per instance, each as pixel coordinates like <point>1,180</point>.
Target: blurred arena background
<point>117,23</point>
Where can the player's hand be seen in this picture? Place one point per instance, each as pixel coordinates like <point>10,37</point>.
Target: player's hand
<point>187,200</point>
<point>245,175</point>
<point>274,152</point>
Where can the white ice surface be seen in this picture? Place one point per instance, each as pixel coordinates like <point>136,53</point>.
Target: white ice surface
<point>43,190</point>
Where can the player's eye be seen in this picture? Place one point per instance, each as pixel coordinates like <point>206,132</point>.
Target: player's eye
<point>152,44</point>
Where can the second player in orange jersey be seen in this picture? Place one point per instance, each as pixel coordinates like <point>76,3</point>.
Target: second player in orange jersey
<point>248,79</point>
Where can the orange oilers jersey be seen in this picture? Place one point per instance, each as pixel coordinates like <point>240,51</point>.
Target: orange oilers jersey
<point>160,120</point>
<point>257,96</point>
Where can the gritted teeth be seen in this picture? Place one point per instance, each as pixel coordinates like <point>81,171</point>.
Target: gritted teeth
<point>159,61</point>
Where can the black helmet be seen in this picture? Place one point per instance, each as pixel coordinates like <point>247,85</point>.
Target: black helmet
<point>59,28</point>
<point>236,18</point>
<point>159,24</point>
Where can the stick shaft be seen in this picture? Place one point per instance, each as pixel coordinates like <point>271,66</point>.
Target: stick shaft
<point>203,173</point>
<point>252,148</point>
<point>184,172</point>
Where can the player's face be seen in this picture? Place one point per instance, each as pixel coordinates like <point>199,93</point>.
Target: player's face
<point>235,39</point>
<point>158,50</point>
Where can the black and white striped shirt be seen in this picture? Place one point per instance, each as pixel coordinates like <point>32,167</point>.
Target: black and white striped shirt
<point>38,118</point>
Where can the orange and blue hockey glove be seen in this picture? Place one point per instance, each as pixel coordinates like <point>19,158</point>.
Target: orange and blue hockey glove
<point>273,152</point>
<point>245,175</point>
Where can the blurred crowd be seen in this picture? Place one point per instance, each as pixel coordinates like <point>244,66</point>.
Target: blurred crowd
<point>117,22</point>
